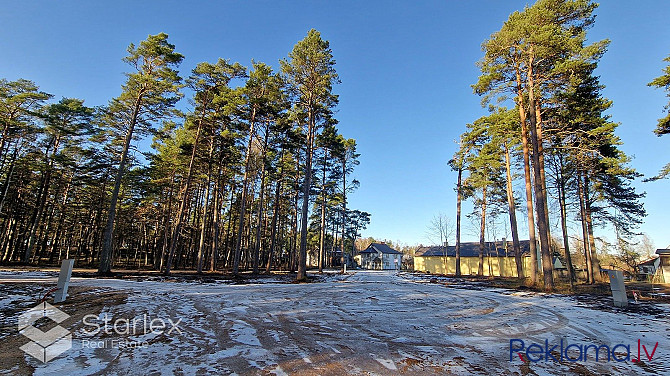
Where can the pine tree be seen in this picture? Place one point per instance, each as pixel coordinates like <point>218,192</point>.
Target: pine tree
<point>149,94</point>
<point>586,147</point>
<point>310,74</point>
<point>457,163</point>
<point>208,81</point>
<point>483,163</point>
<point>503,129</point>
<point>348,160</point>
<point>64,122</point>
<point>19,102</point>
<point>528,58</point>
<point>663,126</point>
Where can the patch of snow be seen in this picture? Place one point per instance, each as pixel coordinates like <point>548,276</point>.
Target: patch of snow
<point>388,363</point>
<point>279,371</point>
<point>268,328</point>
<point>244,333</point>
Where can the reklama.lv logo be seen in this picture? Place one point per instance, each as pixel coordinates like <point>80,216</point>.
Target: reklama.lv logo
<point>575,352</point>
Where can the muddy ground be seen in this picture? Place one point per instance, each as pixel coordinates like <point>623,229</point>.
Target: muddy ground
<point>362,323</point>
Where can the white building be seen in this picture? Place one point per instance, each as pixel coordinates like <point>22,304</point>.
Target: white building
<point>379,256</point>
<point>649,267</point>
<point>663,271</point>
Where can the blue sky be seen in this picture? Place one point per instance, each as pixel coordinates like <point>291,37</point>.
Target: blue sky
<point>406,69</point>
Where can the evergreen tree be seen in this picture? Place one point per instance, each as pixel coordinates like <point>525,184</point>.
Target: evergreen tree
<point>310,74</point>
<point>483,163</point>
<point>663,126</point>
<point>208,81</point>
<point>20,102</point>
<point>149,94</point>
<point>65,122</point>
<point>503,129</point>
<point>529,58</point>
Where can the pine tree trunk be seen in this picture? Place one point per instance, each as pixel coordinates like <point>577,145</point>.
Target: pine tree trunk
<point>6,235</point>
<point>307,182</point>
<point>512,217</point>
<point>540,145</point>
<point>8,180</point>
<point>203,227</point>
<point>229,228</point>
<point>336,240</point>
<point>564,226</point>
<point>528,180</point>
<point>344,206</point>
<point>205,207</point>
<point>585,231</point>
<point>216,218</point>
<point>482,229</point>
<point>459,198</point>
<point>108,239</point>
<point>595,263</point>
<point>61,219</point>
<point>275,215</point>
<point>243,198</point>
<point>540,198</point>
<point>42,200</point>
<point>44,232</point>
<point>185,197</point>
<point>322,232</point>
<point>166,225</point>
<point>293,256</point>
<point>5,131</point>
<point>259,226</point>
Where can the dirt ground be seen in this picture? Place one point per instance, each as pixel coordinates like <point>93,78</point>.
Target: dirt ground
<point>82,301</point>
<point>597,293</point>
<point>362,323</point>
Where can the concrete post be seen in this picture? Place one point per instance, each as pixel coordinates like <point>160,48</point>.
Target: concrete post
<point>63,280</point>
<point>618,288</point>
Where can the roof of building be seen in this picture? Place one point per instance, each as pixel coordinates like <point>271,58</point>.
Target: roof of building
<point>650,261</point>
<point>663,251</point>
<point>471,249</point>
<point>380,248</point>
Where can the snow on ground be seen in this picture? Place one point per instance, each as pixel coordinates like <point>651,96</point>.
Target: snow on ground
<point>362,323</point>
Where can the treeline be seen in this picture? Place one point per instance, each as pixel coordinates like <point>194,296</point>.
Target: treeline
<point>547,125</point>
<point>227,185</point>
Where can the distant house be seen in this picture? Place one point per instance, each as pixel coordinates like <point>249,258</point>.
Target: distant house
<point>649,267</point>
<point>558,264</point>
<point>332,258</point>
<point>336,258</point>
<point>379,256</point>
<point>498,259</point>
<point>664,265</point>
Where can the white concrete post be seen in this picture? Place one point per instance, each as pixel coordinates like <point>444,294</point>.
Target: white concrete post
<point>63,280</point>
<point>618,288</point>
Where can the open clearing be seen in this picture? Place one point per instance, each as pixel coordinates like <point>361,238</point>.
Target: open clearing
<point>362,323</point>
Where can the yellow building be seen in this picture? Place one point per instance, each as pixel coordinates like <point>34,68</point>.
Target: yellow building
<point>663,270</point>
<point>499,259</point>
